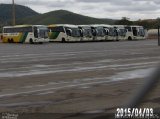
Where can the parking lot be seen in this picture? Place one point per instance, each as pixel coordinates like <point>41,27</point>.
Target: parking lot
<point>75,77</point>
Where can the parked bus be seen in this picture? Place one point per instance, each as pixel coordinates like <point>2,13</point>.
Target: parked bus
<point>120,32</point>
<point>98,33</point>
<point>86,33</point>
<point>64,33</point>
<point>135,32</point>
<point>25,34</point>
<point>109,31</point>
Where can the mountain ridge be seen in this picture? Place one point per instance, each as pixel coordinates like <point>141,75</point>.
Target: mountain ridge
<point>25,15</point>
<point>21,11</point>
<point>65,17</point>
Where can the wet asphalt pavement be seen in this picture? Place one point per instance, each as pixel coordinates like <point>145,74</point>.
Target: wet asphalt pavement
<point>67,76</point>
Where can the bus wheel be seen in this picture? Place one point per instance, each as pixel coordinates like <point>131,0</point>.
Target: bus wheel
<point>11,41</point>
<point>129,38</point>
<point>31,41</point>
<point>40,42</point>
<point>63,40</point>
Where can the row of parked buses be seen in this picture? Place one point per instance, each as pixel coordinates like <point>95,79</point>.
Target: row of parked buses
<point>70,33</point>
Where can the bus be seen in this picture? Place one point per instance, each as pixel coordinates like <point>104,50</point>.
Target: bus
<point>98,32</point>
<point>86,32</point>
<point>120,32</point>
<point>135,33</point>
<point>64,33</point>
<point>109,32</point>
<point>25,34</point>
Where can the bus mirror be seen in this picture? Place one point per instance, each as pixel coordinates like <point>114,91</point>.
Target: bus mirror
<point>35,32</point>
<point>81,32</point>
<point>69,32</point>
<point>106,31</point>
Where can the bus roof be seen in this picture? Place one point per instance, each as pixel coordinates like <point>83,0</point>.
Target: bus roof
<point>64,25</point>
<point>119,25</point>
<point>134,26</point>
<point>100,25</point>
<point>85,26</point>
<point>21,26</point>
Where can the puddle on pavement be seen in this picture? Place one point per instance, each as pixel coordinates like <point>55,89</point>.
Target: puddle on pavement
<point>138,73</point>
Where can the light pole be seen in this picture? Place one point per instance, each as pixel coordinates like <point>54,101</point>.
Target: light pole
<point>158,35</point>
<point>13,13</point>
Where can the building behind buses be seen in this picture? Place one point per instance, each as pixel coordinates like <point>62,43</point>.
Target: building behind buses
<point>64,33</point>
<point>135,33</point>
<point>25,34</point>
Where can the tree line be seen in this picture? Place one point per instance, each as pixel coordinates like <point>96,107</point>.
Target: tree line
<point>148,24</point>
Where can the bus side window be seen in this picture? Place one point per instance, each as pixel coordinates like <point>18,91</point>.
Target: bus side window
<point>128,29</point>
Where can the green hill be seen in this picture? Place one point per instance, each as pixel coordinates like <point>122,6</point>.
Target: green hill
<point>64,17</point>
<point>25,15</point>
<point>21,12</point>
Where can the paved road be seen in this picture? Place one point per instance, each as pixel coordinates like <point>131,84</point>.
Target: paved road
<point>73,77</point>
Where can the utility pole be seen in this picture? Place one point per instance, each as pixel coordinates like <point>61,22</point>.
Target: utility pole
<point>13,13</point>
<point>158,35</point>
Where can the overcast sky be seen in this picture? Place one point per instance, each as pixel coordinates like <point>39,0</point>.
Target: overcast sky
<point>115,9</point>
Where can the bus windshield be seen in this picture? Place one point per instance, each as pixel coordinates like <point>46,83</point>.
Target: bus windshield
<point>41,32</point>
<point>100,31</point>
<point>121,32</point>
<point>141,32</point>
<point>111,32</point>
<point>74,32</point>
<point>87,32</point>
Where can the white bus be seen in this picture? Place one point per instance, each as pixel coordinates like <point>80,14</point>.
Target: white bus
<point>98,32</point>
<point>135,33</point>
<point>120,32</point>
<point>64,33</point>
<point>86,32</point>
<point>25,34</point>
<point>109,32</point>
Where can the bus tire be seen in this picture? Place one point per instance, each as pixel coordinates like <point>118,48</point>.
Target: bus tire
<point>63,40</point>
<point>31,41</point>
<point>40,42</point>
<point>117,39</point>
<point>11,41</point>
<point>129,38</point>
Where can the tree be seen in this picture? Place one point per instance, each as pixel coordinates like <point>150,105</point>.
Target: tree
<point>124,21</point>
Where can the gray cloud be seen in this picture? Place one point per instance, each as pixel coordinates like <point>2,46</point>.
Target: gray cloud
<point>134,9</point>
